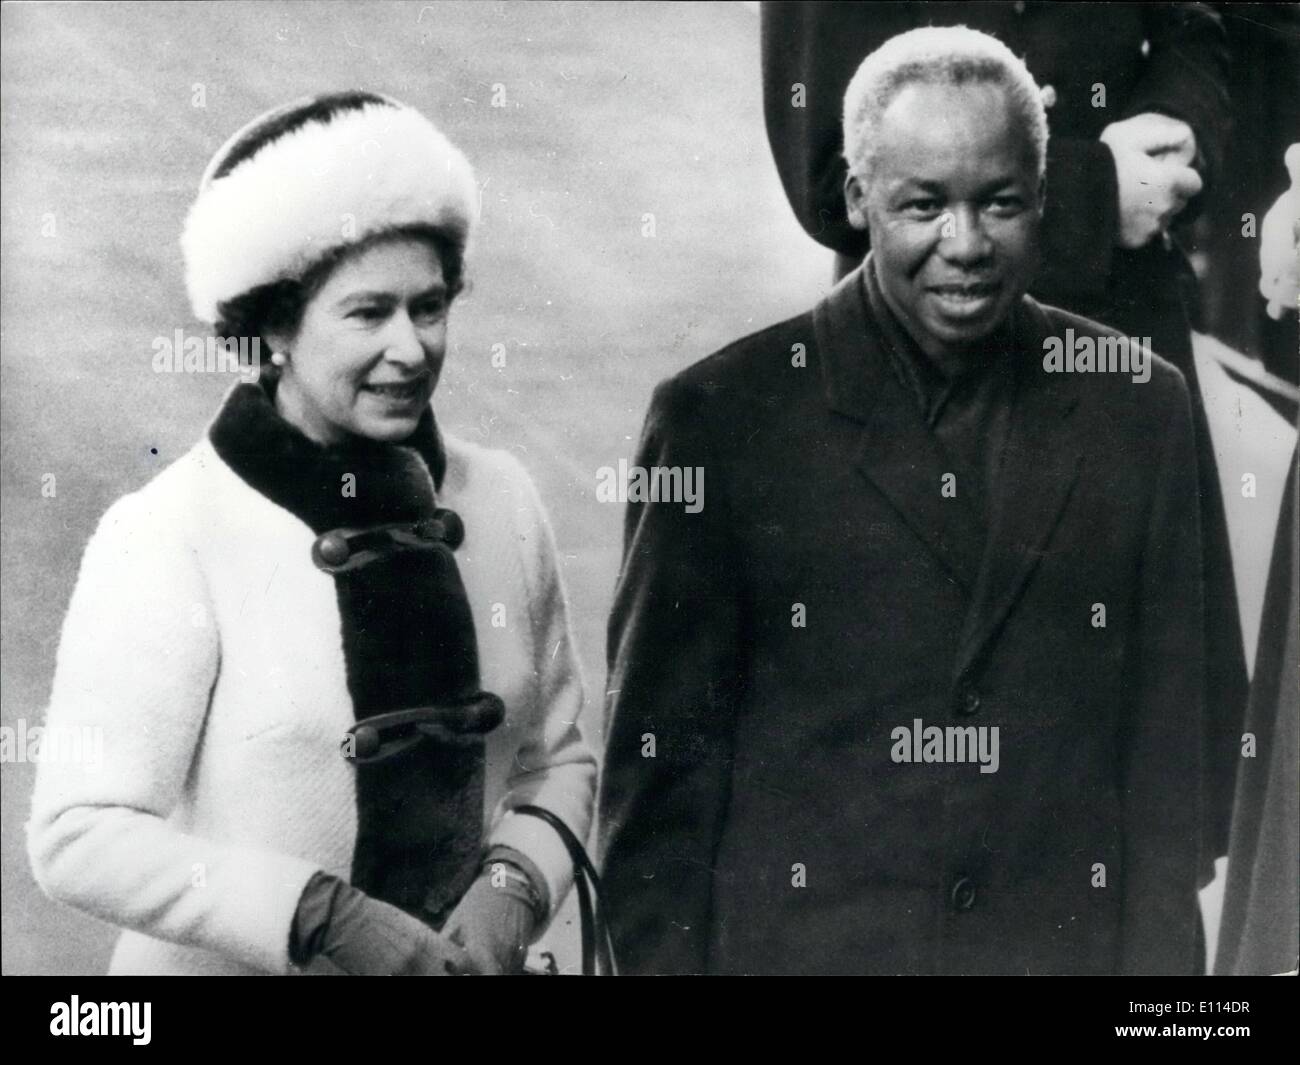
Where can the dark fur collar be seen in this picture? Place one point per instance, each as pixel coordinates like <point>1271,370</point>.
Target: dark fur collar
<point>393,482</point>
<point>408,640</point>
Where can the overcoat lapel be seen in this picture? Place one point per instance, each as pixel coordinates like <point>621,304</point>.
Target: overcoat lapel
<point>901,457</point>
<point>1040,465</point>
<point>898,454</point>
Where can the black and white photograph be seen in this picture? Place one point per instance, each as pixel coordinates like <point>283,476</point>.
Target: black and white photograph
<point>650,489</point>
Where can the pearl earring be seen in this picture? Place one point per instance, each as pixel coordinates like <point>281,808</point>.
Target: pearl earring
<point>278,358</point>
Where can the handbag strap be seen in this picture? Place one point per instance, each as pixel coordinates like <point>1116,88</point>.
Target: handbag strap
<point>597,951</point>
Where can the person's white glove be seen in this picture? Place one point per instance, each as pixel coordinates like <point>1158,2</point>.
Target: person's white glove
<point>1279,245</point>
<point>1154,156</point>
<point>1170,140</point>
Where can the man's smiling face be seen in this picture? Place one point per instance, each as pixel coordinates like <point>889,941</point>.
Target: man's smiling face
<point>953,204</point>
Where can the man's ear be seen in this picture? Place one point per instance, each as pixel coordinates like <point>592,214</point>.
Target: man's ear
<point>855,201</point>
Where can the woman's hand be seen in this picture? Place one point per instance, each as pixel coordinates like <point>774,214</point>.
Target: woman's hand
<point>496,919</point>
<point>366,937</point>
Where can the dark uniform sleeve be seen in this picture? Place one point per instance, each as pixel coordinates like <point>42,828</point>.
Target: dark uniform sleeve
<point>675,647</point>
<point>816,46</point>
<point>1163,736</point>
<point>1187,77</point>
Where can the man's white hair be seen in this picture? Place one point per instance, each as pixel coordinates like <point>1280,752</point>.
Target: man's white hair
<point>936,55</point>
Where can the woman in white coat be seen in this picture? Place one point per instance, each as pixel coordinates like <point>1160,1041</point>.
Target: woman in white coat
<point>326,650</point>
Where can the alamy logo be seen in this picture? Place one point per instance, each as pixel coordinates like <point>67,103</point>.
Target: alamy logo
<point>82,745</point>
<point>179,353</point>
<point>656,484</point>
<point>102,1018</point>
<point>1087,354</point>
<point>923,743</point>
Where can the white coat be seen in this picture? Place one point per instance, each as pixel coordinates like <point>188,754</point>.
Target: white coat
<point>205,648</point>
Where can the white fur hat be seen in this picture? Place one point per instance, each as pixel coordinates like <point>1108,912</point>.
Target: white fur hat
<point>307,178</point>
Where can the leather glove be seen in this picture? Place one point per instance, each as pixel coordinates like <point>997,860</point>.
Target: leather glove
<point>495,920</point>
<point>366,937</point>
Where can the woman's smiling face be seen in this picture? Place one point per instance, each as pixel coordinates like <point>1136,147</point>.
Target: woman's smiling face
<point>370,345</point>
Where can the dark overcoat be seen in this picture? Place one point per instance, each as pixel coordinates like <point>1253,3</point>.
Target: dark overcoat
<point>763,650</point>
<point>1161,57</point>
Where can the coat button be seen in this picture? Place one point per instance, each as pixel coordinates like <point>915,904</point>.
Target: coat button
<point>445,526</point>
<point>968,702</point>
<point>963,894</point>
<point>333,548</point>
<point>1019,6</point>
<point>365,743</point>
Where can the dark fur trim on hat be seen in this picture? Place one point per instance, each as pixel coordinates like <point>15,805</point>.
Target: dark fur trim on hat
<point>274,125</point>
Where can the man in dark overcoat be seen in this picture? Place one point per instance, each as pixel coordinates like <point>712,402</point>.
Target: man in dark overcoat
<point>1139,113</point>
<point>917,689</point>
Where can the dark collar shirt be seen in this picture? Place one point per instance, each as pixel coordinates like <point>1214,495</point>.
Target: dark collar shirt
<point>966,408</point>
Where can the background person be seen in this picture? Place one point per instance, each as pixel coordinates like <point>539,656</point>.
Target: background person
<point>1261,906</point>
